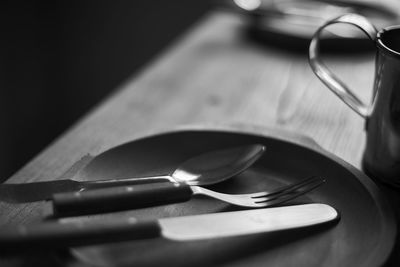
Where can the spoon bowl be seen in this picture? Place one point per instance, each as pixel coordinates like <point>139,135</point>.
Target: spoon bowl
<point>217,166</point>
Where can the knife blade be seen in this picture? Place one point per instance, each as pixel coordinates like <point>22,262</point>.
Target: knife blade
<point>67,233</point>
<point>35,191</point>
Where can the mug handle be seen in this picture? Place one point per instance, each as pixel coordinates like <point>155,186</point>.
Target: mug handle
<point>326,76</point>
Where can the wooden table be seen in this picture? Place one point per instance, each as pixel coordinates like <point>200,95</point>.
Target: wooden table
<point>213,74</point>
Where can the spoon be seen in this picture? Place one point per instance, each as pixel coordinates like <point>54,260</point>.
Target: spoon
<point>204,169</point>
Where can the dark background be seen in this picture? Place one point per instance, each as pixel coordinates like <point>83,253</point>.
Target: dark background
<point>59,58</point>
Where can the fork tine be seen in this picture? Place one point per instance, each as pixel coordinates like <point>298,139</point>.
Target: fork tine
<point>259,194</point>
<point>287,188</point>
<point>285,196</point>
<point>299,187</point>
<point>294,189</point>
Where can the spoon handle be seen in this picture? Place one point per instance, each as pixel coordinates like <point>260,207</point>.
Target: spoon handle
<point>118,198</point>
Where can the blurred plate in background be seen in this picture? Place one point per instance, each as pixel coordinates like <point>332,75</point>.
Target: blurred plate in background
<point>292,23</point>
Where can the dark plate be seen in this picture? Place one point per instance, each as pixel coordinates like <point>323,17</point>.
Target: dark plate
<point>363,237</point>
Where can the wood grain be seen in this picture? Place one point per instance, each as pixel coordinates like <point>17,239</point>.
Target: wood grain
<point>213,74</point>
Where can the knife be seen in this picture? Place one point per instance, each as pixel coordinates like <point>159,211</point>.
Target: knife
<point>67,233</point>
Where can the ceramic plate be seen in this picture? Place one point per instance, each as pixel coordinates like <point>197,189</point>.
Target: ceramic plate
<point>363,237</point>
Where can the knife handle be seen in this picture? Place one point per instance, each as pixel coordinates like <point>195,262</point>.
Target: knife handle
<point>118,198</point>
<point>56,235</point>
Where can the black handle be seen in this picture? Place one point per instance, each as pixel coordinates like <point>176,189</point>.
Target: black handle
<point>118,198</point>
<point>55,235</point>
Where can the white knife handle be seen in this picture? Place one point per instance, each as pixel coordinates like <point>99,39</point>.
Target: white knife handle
<point>55,235</point>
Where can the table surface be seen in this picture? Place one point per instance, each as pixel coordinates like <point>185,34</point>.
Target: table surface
<point>213,74</point>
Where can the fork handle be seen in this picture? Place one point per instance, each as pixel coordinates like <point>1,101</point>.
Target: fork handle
<point>118,198</point>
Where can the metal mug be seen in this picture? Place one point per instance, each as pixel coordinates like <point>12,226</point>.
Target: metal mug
<point>381,159</point>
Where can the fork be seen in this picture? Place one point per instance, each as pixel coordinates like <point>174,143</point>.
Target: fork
<point>139,196</point>
<point>264,199</point>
